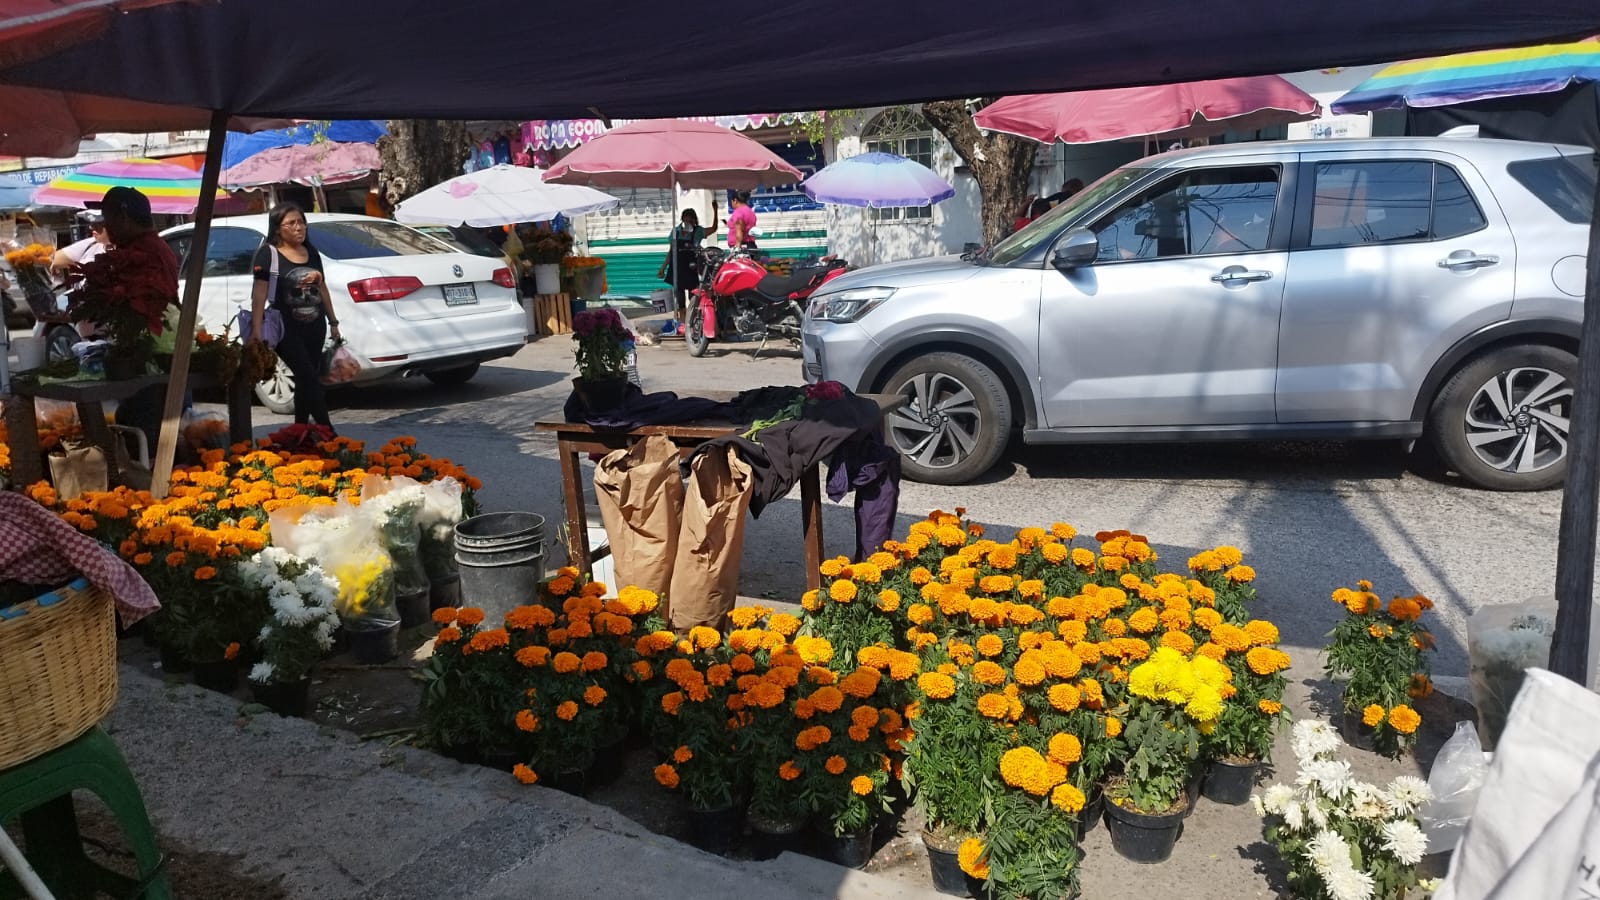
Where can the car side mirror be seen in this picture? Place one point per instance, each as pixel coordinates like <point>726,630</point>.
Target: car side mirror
<point>1078,247</point>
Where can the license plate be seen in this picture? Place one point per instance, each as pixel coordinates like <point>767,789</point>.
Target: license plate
<point>460,295</point>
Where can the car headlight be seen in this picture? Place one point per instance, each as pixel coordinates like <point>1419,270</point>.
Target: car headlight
<point>848,305</point>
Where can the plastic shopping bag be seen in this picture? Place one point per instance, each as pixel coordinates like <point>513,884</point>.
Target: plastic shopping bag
<point>339,365</point>
<point>343,539</point>
<point>1503,642</point>
<point>1458,774</point>
<point>441,511</point>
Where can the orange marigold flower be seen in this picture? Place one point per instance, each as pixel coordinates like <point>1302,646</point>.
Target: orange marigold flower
<point>469,615</point>
<point>176,558</point>
<point>671,702</point>
<point>994,706</point>
<point>484,641</point>
<point>788,771</point>
<point>1404,609</point>
<point>1113,726</point>
<point>1418,686</point>
<point>834,765</point>
<point>973,857</point>
<point>813,737</point>
<point>205,573</point>
<point>1065,748</point>
<point>1240,574</point>
<point>861,785</point>
<point>666,776</point>
<point>1372,715</point>
<point>1067,798</point>
<point>231,651</point>
<point>1266,661</point>
<point>1270,707</point>
<point>990,673</point>
<point>1029,669</point>
<point>1144,620</point>
<point>567,711</point>
<point>531,657</point>
<point>1404,719</point>
<point>526,720</point>
<point>444,615</point>
<point>567,662</point>
<point>935,685</point>
<point>594,694</point>
<point>1064,697</point>
<point>827,698</point>
<point>522,773</point>
<point>593,661</point>
<point>842,591</point>
<point>448,635</point>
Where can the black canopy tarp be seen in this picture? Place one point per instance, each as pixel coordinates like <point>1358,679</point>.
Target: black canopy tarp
<point>471,59</point>
<point>1570,116</point>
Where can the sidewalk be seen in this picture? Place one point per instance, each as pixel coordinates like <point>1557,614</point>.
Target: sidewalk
<point>336,818</point>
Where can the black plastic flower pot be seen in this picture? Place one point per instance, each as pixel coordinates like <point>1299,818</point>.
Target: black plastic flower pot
<point>608,761</point>
<point>292,699</point>
<point>572,781</point>
<point>716,830</point>
<point>414,606</point>
<point>445,592</point>
<point>173,662</point>
<point>1191,793</point>
<point>1357,733</point>
<point>1140,837</point>
<point>851,850</point>
<point>221,676</point>
<point>1094,809</point>
<point>375,646</point>
<point>769,838</point>
<point>1231,783</point>
<point>945,867</point>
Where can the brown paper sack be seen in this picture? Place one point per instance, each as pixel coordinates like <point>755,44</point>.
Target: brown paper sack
<point>705,579</point>
<point>640,494</point>
<point>82,467</point>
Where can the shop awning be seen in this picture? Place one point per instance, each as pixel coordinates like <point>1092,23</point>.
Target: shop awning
<point>564,134</point>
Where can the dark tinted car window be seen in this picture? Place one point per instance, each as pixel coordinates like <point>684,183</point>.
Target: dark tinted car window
<point>1563,183</point>
<point>229,251</point>
<point>1209,211</point>
<point>365,240</point>
<point>1371,202</point>
<point>1455,212</point>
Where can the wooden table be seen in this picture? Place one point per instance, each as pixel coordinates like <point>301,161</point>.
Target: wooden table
<point>575,438</point>
<point>89,397</point>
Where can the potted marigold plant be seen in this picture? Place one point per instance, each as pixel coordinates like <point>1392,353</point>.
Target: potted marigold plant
<point>1222,569</point>
<point>473,690</point>
<point>1242,738</point>
<point>1377,650</point>
<point>769,679</point>
<point>299,631</point>
<point>208,614</point>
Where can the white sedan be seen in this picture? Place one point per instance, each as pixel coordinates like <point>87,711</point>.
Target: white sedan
<point>407,304</point>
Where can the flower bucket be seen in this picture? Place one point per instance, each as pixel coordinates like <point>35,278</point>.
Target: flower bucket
<point>375,646</point>
<point>716,830</point>
<point>547,278</point>
<point>414,606</point>
<point>600,394</point>
<point>1356,733</point>
<point>944,865</point>
<point>853,851</point>
<point>1230,783</point>
<point>1191,792</point>
<point>292,699</point>
<point>771,837</point>
<point>1143,838</point>
<point>1094,809</point>
<point>501,556</point>
<point>221,676</point>
<point>444,593</point>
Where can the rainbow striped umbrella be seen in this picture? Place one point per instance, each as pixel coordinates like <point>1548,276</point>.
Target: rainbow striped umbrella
<point>1482,75</point>
<point>172,189</point>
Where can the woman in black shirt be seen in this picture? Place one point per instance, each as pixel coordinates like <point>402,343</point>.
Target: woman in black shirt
<point>300,296</point>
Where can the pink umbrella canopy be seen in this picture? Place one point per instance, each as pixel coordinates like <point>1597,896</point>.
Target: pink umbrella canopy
<point>664,152</point>
<point>328,162</point>
<point>1194,109</point>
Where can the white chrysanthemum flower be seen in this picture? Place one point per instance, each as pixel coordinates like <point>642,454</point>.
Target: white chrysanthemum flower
<point>264,635</point>
<point>1328,853</point>
<point>276,555</point>
<point>1277,798</point>
<point>1407,793</point>
<point>1257,805</point>
<point>262,672</point>
<point>1405,840</point>
<point>1313,738</point>
<point>1367,802</point>
<point>1316,813</point>
<point>1331,776</point>
<point>1349,884</point>
<point>1294,817</point>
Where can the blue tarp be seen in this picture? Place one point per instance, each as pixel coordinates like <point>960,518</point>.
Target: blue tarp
<point>475,59</point>
<point>239,147</point>
<point>14,193</point>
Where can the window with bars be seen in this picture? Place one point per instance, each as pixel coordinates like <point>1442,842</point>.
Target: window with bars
<point>904,133</point>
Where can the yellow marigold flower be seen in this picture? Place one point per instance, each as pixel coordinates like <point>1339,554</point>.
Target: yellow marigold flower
<point>1024,614</point>
<point>994,706</point>
<point>973,857</point>
<point>1065,748</point>
<point>935,685</point>
<point>921,576</point>
<point>861,785</point>
<point>888,600</point>
<point>1083,558</point>
<point>1144,620</point>
<point>666,776</point>
<point>1067,798</point>
<point>522,773</point>
<point>1207,618</point>
<point>995,584</point>
<point>704,638</point>
<point>1205,705</point>
<point>989,645</point>
<point>1211,651</point>
<point>809,602</point>
<point>1372,715</point>
<point>1404,719</point>
<point>1266,661</point>
<point>830,568</point>
<point>745,616</point>
<point>1029,669</point>
<point>1002,557</point>
<point>866,573</point>
<point>842,591</point>
<point>1379,630</point>
<point>1063,531</point>
<point>1064,697</point>
<point>986,672</point>
<point>950,536</point>
<point>1113,726</point>
<point>1240,574</point>
<point>1230,637</point>
<point>1270,707</point>
<point>1054,554</point>
<point>1178,641</point>
<point>567,711</point>
<point>813,649</point>
<point>1030,537</point>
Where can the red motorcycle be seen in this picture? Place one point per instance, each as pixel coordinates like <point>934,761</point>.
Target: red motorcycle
<point>739,300</point>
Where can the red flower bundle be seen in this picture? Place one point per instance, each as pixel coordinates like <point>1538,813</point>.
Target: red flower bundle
<point>128,290</point>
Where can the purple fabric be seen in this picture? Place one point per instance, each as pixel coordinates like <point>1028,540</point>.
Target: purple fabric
<point>240,57</point>
<point>871,468</point>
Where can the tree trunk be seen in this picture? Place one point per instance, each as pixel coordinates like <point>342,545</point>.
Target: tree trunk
<point>1001,163</point>
<point>418,154</point>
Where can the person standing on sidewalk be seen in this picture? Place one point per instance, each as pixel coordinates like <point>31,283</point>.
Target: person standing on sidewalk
<point>289,267</point>
<point>741,222</point>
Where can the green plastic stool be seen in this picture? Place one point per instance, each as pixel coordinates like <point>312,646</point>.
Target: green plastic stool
<point>40,792</point>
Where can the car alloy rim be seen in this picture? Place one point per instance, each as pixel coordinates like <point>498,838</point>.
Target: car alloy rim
<point>280,387</point>
<point>938,425</point>
<point>1518,420</point>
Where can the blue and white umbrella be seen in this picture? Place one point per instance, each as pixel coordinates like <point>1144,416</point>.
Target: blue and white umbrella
<point>877,181</point>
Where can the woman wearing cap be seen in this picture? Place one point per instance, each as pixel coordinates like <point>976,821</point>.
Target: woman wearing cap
<point>81,252</point>
<point>291,268</point>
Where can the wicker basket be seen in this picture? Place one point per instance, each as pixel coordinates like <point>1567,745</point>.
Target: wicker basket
<point>58,669</point>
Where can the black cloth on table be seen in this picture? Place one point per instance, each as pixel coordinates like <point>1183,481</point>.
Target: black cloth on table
<point>667,408</point>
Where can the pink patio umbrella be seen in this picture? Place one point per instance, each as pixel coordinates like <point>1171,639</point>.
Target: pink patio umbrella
<point>1164,111</point>
<point>328,162</point>
<point>670,153</point>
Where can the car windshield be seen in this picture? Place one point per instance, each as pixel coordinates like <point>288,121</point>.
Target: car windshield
<point>466,240</point>
<point>1042,228</point>
<point>358,239</point>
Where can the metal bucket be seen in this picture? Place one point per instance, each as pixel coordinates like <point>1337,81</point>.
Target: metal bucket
<point>501,556</point>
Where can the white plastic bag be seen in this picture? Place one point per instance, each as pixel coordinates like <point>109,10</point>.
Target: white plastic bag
<point>1503,642</point>
<point>344,541</point>
<point>1458,774</point>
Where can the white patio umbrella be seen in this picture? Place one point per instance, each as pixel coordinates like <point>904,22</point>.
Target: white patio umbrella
<point>500,195</point>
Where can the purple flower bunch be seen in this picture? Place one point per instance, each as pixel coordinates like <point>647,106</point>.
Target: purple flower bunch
<point>602,343</point>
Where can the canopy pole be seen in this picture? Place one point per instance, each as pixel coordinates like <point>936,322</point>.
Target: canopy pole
<point>672,254</point>
<point>1569,650</point>
<point>178,384</point>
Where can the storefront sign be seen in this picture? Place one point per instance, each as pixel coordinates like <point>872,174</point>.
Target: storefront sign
<point>44,176</point>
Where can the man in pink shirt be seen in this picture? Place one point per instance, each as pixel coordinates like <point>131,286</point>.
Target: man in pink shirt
<point>741,221</point>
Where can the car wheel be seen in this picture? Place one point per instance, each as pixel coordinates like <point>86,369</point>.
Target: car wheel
<point>1501,421</point>
<point>458,375</point>
<point>694,333</point>
<point>277,392</point>
<point>955,420</point>
<point>58,341</point>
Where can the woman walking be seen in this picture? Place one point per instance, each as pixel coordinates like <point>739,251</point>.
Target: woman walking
<point>288,277</point>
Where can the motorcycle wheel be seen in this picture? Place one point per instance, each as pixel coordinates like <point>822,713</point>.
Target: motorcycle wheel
<point>695,333</point>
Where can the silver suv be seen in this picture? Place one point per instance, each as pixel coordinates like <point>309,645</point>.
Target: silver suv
<point>1385,288</point>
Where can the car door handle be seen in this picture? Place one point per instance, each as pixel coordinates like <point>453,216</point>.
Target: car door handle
<point>1466,259</point>
<point>1240,273</point>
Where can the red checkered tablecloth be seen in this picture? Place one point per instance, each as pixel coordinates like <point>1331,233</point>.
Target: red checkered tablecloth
<point>37,547</point>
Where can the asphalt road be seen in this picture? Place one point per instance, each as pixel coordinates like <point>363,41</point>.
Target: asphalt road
<point>1309,517</point>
